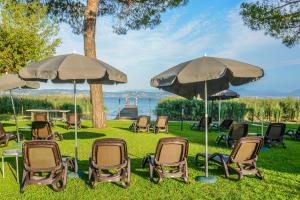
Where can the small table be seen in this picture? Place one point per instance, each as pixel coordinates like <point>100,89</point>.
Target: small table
<point>64,113</point>
<point>10,153</point>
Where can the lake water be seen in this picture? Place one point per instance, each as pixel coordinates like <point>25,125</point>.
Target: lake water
<point>146,106</point>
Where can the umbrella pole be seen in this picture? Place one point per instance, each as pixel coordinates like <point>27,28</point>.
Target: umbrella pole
<point>206,132</point>
<point>76,144</point>
<point>219,115</point>
<point>14,110</point>
<point>206,178</point>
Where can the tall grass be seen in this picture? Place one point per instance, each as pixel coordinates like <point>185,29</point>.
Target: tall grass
<point>252,109</point>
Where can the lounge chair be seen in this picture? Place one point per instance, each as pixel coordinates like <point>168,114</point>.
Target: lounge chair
<point>43,165</point>
<point>225,125</point>
<point>5,137</point>
<point>40,117</point>
<point>41,130</point>
<point>141,124</point>
<point>244,155</point>
<point>201,124</point>
<point>294,134</point>
<point>170,159</point>
<point>70,123</point>
<point>109,162</point>
<point>161,124</point>
<point>236,132</point>
<point>275,134</point>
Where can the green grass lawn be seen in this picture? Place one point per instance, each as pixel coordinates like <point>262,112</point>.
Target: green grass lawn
<point>281,169</point>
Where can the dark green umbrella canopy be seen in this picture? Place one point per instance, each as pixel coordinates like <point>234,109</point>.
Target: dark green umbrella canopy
<point>9,82</point>
<point>223,95</point>
<point>203,77</point>
<point>73,68</point>
<point>69,67</point>
<point>13,81</point>
<point>187,79</point>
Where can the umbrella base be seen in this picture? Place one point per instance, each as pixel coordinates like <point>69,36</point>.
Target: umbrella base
<point>76,175</point>
<point>264,149</point>
<point>18,144</point>
<point>208,179</point>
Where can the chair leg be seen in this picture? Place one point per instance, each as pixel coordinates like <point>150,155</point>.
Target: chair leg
<point>144,162</point>
<point>24,182</point>
<point>151,170</point>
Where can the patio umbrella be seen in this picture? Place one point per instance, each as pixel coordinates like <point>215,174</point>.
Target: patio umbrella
<point>9,82</point>
<point>203,77</point>
<point>73,68</point>
<point>223,95</point>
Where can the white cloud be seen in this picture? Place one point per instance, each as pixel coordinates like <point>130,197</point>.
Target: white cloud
<point>145,53</point>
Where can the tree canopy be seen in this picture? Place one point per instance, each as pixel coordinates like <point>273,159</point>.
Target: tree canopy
<point>278,18</point>
<point>126,14</point>
<point>26,34</point>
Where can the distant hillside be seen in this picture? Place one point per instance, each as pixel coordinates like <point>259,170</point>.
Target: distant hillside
<point>155,94</point>
<point>137,93</point>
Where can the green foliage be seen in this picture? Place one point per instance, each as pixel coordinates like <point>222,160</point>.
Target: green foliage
<point>252,109</point>
<point>70,106</point>
<point>127,14</point>
<point>45,102</point>
<point>26,34</point>
<point>25,103</point>
<point>279,18</point>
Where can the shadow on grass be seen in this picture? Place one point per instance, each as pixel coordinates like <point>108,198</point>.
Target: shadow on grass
<point>7,124</point>
<point>82,135</point>
<point>64,126</point>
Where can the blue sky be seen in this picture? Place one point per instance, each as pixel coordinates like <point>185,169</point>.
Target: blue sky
<point>201,27</point>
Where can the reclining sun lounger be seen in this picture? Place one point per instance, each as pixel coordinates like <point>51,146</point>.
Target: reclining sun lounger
<point>169,160</point>
<point>244,155</point>
<point>109,162</point>
<point>43,164</point>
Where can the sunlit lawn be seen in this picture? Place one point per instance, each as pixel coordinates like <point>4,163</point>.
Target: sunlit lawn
<point>281,169</point>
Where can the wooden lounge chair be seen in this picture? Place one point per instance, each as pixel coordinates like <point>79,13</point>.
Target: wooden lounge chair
<point>275,134</point>
<point>70,123</point>
<point>109,162</point>
<point>141,124</point>
<point>43,165</point>
<point>41,130</point>
<point>294,134</point>
<point>170,159</point>
<point>236,132</point>
<point>244,155</point>
<point>161,124</point>
<point>201,124</point>
<point>5,137</point>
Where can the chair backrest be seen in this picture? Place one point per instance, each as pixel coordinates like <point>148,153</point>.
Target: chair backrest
<point>2,131</point>
<point>41,155</point>
<point>226,123</point>
<point>143,121</point>
<point>238,130</point>
<point>247,149</point>
<point>40,129</point>
<point>109,153</point>
<point>71,118</point>
<point>40,117</point>
<point>275,131</point>
<point>161,121</point>
<point>202,121</point>
<point>171,151</point>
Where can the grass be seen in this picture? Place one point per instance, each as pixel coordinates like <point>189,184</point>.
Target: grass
<point>281,169</point>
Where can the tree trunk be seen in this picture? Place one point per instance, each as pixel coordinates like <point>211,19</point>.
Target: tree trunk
<point>96,94</point>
